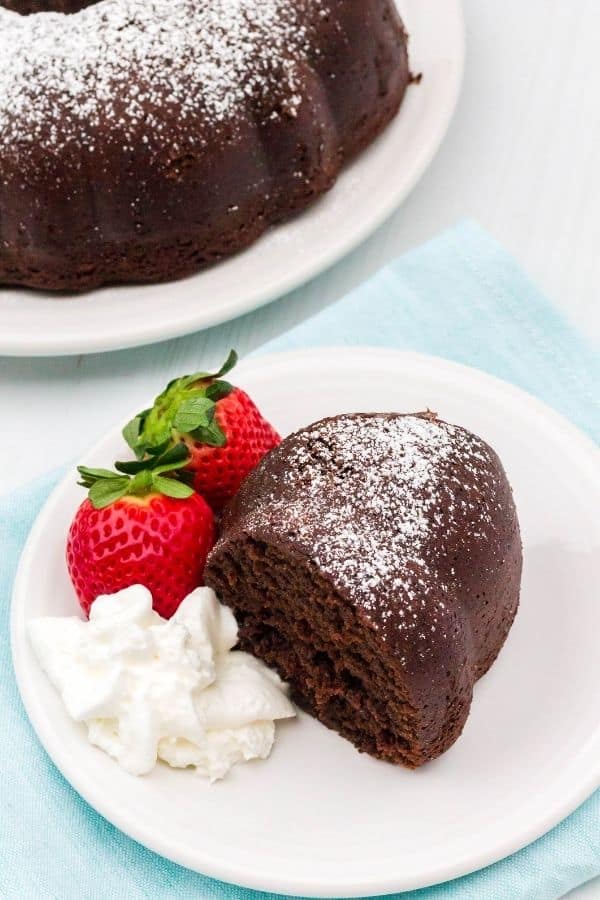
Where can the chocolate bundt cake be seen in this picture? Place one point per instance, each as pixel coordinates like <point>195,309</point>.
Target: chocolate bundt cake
<point>143,139</point>
<point>375,561</point>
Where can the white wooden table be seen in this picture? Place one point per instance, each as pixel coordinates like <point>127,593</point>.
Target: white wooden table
<point>521,157</point>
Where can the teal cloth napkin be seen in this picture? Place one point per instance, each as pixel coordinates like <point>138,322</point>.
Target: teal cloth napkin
<point>460,296</point>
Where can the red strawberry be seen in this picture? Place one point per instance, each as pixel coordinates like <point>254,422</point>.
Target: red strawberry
<point>219,471</point>
<point>221,426</point>
<point>149,529</point>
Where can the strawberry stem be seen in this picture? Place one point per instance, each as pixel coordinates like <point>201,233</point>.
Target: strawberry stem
<point>187,407</point>
<point>137,478</point>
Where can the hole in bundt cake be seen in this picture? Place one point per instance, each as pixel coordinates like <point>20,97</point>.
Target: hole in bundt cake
<point>290,616</point>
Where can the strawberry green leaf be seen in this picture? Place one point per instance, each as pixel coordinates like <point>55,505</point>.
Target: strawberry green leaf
<point>178,453</point>
<point>157,449</point>
<point>131,432</point>
<point>94,474</point>
<point>212,435</point>
<point>138,477</point>
<point>132,466</point>
<point>107,491</point>
<point>172,458</point>
<point>168,467</point>
<point>187,405</point>
<point>171,488</point>
<point>228,365</point>
<point>217,390</point>
<point>195,412</point>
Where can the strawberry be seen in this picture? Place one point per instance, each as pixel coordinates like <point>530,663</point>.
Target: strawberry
<point>140,526</point>
<point>223,430</point>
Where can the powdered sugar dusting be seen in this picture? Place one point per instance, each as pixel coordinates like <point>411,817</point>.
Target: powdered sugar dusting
<point>380,503</point>
<point>117,67</point>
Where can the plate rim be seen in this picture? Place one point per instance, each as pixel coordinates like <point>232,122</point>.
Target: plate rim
<point>257,878</point>
<point>31,343</point>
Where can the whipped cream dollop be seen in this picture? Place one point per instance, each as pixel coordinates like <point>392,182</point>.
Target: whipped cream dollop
<point>149,688</point>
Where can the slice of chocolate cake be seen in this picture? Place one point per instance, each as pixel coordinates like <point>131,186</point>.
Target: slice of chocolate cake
<point>375,561</point>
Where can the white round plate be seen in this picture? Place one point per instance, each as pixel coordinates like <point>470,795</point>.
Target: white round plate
<point>318,818</point>
<point>42,324</point>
